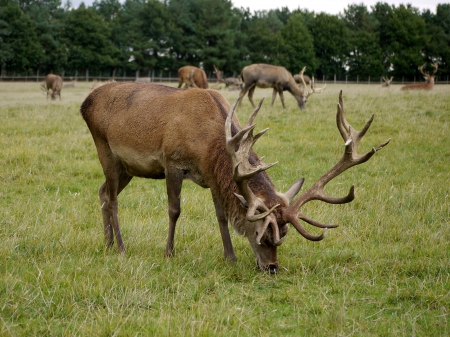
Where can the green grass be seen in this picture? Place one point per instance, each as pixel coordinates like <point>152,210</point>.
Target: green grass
<point>384,272</point>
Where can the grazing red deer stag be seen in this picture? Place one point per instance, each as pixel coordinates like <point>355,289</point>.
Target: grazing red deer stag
<point>189,75</point>
<point>387,82</point>
<point>159,132</point>
<point>268,76</point>
<point>429,80</point>
<point>53,83</point>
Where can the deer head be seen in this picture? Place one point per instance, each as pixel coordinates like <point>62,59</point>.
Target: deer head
<point>270,224</point>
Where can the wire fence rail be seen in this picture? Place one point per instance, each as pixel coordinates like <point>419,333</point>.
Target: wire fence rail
<point>211,79</point>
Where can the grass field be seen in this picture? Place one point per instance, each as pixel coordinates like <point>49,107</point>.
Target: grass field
<point>384,272</point>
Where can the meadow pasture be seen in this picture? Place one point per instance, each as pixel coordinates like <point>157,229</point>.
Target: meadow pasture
<point>385,271</point>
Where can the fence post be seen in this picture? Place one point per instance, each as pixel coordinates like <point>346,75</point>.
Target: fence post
<point>87,75</point>
<point>357,79</point>
<point>369,79</point>
<point>346,78</point>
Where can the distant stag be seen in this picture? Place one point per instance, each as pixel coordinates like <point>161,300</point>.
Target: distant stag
<point>429,80</point>
<point>387,82</point>
<point>53,83</point>
<point>192,77</point>
<point>234,82</point>
<point>159,132</point>
<point>268,76</point>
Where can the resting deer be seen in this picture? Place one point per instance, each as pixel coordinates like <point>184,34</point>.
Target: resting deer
<point>53,83</point>
<point>189,74</point>
<point>429,80</point>
<point>70,84</point>
<point>235,82</point>
<point>268,76</point>
<point>159,132</point>
<point>387,82</point>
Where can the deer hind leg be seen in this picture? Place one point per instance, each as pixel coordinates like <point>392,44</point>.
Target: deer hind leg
<point>224,232</point>
<point>250,95</point>
<point>116,180</point>
<point>274,95</point>
<point>246,89</point>
<point>174,182</point>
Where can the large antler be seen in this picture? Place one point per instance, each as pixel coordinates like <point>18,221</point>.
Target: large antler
<point>312,89</point>
<point>239,149</point>
<point>316,192</point>
<point>426,74</point>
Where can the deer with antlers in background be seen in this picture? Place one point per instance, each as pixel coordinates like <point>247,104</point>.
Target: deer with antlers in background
<point>387,82</point>
<point>269,76</point>
<point>159,132</point>
<point>429,80</point>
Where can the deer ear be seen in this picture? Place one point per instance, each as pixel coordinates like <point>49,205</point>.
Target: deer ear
<point>294,189</point>
<point>242,200</point>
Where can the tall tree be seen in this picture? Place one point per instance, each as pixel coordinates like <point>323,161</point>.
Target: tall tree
<point>438,30</point>
<point>403,39</point>
<point>365,56</point>
<point>331,38</point>
<point>297,46</point>
<point>20,50</point>
<point>210,29</point>
<point>89,41</point>
<point>47,16</point>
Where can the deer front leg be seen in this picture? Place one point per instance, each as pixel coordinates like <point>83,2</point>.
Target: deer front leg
<point>224,232</point>
<point>174,182</point>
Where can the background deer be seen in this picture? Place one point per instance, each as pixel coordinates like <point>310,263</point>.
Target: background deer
<point>70,84</point>
<point>159,132</point>
<point>53,83</point>
<point>298,79</point>
<point>429,80</point>
<point>268,76</point>
<point>189,75</point>
<point>234,82</point>
<point>387,82</point>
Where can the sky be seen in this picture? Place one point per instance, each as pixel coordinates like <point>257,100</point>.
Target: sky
<point>330,6</point>
<point>327,6</point>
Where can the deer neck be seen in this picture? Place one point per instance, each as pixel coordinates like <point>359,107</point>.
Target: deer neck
<point>223,188</point>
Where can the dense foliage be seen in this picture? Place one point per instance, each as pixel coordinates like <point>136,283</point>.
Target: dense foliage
<point>113,37</point>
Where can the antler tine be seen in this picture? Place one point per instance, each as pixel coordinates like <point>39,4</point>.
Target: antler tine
<point>423,73</point>
<point>435,66</point>
<point>316,192</point>
<point>239,149</point>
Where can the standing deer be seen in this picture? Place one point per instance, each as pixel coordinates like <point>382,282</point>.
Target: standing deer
<point>387,82</point>
<point>268,76</point>
<point>53,83</point>
<point>189,75</point>
<point>429,80</point>
<point>159,132</point>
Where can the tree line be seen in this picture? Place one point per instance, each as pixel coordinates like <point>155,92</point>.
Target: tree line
<point>113,38</point>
